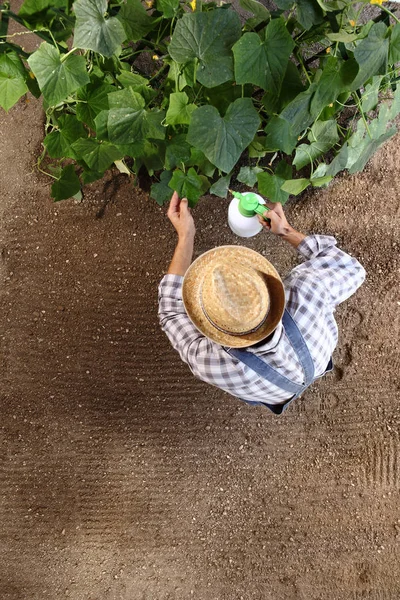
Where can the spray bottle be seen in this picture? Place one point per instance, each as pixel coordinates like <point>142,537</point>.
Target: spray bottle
<point>243,211</point>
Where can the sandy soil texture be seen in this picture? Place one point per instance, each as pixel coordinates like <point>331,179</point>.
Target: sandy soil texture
<point>124,478</point>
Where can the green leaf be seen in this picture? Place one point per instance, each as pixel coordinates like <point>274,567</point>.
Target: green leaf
<point>257,147</point>
<point>168,7</point>
<point>323,136</point>
<point>339,162</point>
<point>280,135</point>
<point>371,54</point>
<point>221,186</point>
<point>188,185</point>
<point>248,175</point>
<point>295,186</point>
<point>297,112</point>
<point>92,99</point>
<point>177,152</point>
<point>93,31</point>
<point>321,181</point>
<point>336,77</point>
<point>262,61</point>
<point>209,37</point>
<point>58,142</point>
<point>12,80</point>
<point>223,95</point>
<point>138,84</point>
<point>370,96</point>
<point>127,117</point>
<point>135,20</point>
<point>394,46</point>
<point>97,154</point>
<point>89,176</point>
<point>260,12</point>
<point>223,139</point>
<point>269,186</point>
<point>309,13</point>
<point>179,111</point>
<point>291,85</point>
<point>58,77</point>
<point>368,149</point>
<point>198,159</point>
<point>161,192</point>
<point>67,186</point>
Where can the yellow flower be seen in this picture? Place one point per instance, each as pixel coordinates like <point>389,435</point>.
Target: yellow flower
<point>330,105</point>
<point>155,57</point>
<point>353,23</point>
<point>380,2</point>
<point>193,5</point>
<point>328,50</point>
<point>149,3</point>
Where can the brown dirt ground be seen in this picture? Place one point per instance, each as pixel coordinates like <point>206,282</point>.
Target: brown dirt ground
<point>123,477</point>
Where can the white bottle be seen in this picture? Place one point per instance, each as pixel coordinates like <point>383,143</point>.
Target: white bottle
<point>241,225</point>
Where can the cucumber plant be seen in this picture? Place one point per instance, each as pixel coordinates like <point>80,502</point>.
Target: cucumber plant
<point>188,92</point>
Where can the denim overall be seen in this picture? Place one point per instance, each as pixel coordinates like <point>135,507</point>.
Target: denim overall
<point>267,372</point>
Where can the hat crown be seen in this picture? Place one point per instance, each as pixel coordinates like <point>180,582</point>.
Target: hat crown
<point>235,297</point>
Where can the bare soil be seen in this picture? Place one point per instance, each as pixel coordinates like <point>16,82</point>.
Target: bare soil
<point>124,478</point>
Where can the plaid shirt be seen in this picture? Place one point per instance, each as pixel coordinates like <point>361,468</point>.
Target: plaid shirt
<point>313,290</point>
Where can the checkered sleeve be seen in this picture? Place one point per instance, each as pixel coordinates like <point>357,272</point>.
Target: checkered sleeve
<point>328,267</point>
<point>207,360</point>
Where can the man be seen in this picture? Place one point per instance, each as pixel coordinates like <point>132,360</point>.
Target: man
<point>242,329</point>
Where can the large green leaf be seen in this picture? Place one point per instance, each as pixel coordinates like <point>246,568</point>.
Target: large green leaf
<point>248,175</point>
<point>92,99</point>
<point>58,142</point>
<point>309,13</point>
<point>295,186</point>
<point>189,185</point>
<point>280,135</point>
<point>58,77</point>
<point>161,192</point>
<point>168,7</point>
<point>93,31</point>
<point>370,96</point>
<point>260,12</point>
<point>127,117</point>
<point>177,152</point>
<point>270,186</point>
<point>223,139</point>
<point>394,47</point>
<point>336,77</point>
<point>323,136</point>
<point>297,112</point>
<point>209,37</point>
<point>179,111</point>
<point>135,20</point>
<point>262,60</point>
<point>221,186</point>
<point>12,80</point>
<point>97,154</point>
<point>67,185</point>
<point>371,54</point>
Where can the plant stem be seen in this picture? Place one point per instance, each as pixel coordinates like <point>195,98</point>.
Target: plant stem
<point>297,55</point>
<point>65,56</point>
<point>357,101</point>
<point>389,12</point>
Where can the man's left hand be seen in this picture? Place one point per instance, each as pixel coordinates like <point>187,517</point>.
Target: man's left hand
<point>181,217</point>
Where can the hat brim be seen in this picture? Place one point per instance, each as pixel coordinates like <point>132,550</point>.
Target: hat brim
<point>191,294</point>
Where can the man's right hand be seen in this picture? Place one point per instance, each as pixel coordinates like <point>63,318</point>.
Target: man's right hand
<point>278,224</point>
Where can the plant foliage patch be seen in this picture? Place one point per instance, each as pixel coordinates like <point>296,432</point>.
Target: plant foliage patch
<point>285,100</point>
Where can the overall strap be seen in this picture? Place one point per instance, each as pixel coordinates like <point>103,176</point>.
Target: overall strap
<point>267,372</point>
<point>300,347</point>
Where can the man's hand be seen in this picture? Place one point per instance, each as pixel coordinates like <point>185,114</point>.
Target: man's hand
<point>181,218</point>
<point>278,224</point>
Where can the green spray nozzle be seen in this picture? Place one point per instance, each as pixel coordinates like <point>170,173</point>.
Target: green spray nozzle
<point>249,205</point>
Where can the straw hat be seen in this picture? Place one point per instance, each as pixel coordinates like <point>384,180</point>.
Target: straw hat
<point>234,296</point>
